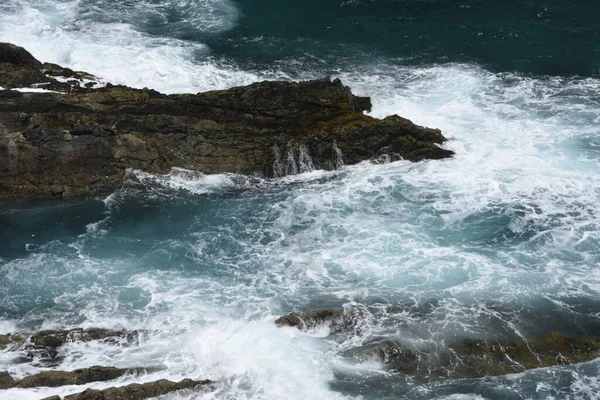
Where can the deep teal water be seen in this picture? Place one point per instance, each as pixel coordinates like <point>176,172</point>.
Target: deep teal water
<point>502,241</point>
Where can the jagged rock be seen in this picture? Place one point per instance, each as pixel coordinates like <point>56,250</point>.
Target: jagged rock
<point>136,391</point>
<point>15,55</point>
<point>76,377</point>
<point>6,381</point>
<point>82,142</point>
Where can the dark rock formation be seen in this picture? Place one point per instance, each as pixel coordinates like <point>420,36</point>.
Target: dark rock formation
<point>337,319</point>
<point>53,339</point>
<point>392,355</point>
<point>136,391</point>
<point>470,358</point>
<point>311,319</point>
<point>83,141</point>
<point>19,69</point>
<point>43,348</point>
<point>76,377</point>
<point>475,358</point>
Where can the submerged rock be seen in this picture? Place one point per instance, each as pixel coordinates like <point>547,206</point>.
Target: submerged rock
<point>391,355</point>
<point>477,358</point>
<point>44,347</point>
<point>84,140</point>
<point>469,358</point>
<point>136,391</point>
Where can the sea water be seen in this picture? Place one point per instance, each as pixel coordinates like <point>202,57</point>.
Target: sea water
<point>501,241</point>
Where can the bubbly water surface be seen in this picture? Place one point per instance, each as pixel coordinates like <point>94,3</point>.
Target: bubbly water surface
<point>503,240</point>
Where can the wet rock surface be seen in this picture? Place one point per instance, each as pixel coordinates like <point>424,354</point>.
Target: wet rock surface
<point>43,348</point>
<point>336,319</point>
<point>76,377</point>
<point>83,140</point>
<point>460,358</point>
<point>136,391</point>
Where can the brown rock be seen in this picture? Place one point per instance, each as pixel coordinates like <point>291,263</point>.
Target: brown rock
<point>6,381</point>
<point>83,141</point>
<point>137,391</point>
<point>76,377</point>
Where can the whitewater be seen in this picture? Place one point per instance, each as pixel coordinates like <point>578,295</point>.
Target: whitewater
<point>499,241</point>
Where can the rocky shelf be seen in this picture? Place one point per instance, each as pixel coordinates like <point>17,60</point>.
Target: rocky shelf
<point>70,135</point>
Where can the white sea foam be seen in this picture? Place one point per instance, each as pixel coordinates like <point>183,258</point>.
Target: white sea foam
<point>115,50</point>
<point>509,223</point>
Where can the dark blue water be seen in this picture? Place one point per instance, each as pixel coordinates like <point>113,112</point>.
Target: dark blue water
<point>502,241</point>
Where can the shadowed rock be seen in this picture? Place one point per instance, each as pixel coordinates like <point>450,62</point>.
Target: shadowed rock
<point>76,377</point>
<point>136,391</point>
<point>82,142</point>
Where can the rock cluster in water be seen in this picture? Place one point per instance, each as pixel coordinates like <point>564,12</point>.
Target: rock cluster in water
<point>77,138</point>
<point>461,358</point>
<point>49,344</point>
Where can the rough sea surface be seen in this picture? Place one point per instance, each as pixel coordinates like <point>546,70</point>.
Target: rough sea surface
<point>501,241</point>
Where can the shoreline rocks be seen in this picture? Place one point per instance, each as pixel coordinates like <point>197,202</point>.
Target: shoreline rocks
<point>82,140</point>
<point>136,391</point>
<point>460,358</point>
<point>64,378</point>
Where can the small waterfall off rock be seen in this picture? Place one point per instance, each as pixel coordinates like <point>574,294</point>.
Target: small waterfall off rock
<point>297,160</point>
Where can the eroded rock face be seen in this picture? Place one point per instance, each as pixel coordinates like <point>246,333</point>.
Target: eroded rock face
<point>83,141</point>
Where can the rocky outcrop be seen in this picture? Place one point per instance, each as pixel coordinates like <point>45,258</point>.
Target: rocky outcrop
<point>469,358</point>
<point>53,339</point>
<point>459,358</point>
<point>64,378</point>
<point>137,391</point>
<point>336,319</point>
<point>43,348</point>
<point>83,140</point>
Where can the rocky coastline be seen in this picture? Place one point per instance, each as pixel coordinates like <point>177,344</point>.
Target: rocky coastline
<point>64,133</point>
<point>460,358</point>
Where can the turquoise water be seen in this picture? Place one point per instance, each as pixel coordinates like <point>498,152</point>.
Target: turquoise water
<point>501,241</point>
